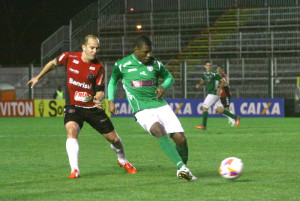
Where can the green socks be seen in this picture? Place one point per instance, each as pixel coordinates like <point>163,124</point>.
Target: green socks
<point>229,114</point>
<point>167,146</point>
<point>204,120</point>
<point>183,153</point>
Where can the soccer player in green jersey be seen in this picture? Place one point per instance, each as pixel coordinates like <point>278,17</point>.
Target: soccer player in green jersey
<point>139,73</point>
<point>214,83</point>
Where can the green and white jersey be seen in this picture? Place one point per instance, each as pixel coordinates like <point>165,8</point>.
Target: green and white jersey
<point>140,82</point>
<point>211,81</point>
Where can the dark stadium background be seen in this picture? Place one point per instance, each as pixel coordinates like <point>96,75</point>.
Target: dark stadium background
<point>25,24</point>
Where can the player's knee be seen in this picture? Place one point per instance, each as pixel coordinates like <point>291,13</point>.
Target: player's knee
<point>157,130</point>
<point>179,139</point>
<point>204,109</point>
<point>112,137</point>
<point>220,110</point>
<point>72,129</point>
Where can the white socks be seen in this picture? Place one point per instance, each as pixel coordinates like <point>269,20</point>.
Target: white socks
<point>119,149</point>
<point>231,119</point>
<point>73,150</point>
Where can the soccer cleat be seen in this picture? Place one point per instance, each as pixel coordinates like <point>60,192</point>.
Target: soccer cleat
<point>185,173</point>
<point>237,121</point>
<point>75,174</point>
<point>200,127</point>
<point>128,167</point>
<point>231,123</point>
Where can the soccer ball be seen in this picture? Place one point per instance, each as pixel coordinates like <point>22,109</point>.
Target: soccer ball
<point>231,168</point>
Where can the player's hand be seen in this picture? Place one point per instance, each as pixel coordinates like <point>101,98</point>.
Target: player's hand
<point>33,81</point>
<point>160,92</point>
<point>97,103</point>
<point>197,86</point>
<point>112,108</point>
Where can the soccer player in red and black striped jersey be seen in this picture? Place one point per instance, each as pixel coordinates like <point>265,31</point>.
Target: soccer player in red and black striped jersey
<point>225,94</point>
<point>84,91</point>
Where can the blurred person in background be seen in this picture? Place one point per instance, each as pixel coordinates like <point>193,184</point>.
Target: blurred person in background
<point>225,94</point>
<point>214,84</point>
<point>58,94</point>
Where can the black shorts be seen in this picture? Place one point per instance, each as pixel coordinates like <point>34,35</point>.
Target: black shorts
<point>225,101</point>
<point>95,117</point>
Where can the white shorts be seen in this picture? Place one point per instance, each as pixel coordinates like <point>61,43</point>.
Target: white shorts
<point>164,115</point>
<point>212,100</point>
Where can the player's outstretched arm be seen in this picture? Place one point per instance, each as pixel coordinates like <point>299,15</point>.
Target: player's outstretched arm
<point>200,82</point>
<point>48,67</point>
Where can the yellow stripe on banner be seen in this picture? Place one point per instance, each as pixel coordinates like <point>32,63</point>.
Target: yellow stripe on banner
<point>265,110</point>
<point>55,107</point>
<point>180,106</point>
<point>298,81</point>
<point>49,107</point>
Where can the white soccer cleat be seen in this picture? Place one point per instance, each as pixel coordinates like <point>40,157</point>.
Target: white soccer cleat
<point>185,173</point>
<point>232,124</point>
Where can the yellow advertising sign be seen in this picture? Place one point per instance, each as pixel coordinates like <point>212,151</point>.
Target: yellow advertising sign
<point>55,107</point>
<point>49,108</point>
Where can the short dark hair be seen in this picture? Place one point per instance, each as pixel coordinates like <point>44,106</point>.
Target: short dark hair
<point>142,40</point>
<point>206,61</point>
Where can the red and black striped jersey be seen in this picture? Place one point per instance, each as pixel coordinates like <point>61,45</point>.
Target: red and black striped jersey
<point>83,79</point>
<point>223,94</point>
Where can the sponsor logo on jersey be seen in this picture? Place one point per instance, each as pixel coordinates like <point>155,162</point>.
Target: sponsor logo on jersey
<point>143,83</point>
<point>92,68</point>
<point>133,69</point>
<point>75,61</point>
<point>143,73</point>
<point>150,68</point>
<point>73,70</point>
<point>90,76</point>
<point>80,84</point>
<point>82,96</point>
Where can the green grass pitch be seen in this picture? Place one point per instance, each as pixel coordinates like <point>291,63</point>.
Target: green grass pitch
<point>34,163</point>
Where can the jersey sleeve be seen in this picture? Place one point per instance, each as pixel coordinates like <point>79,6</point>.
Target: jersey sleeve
<point>115,76</point>
<point>218,77</point>
<point>100,82</point>
<point>116,72</point>
<point>224,77</point>
<point>62,59</point>
<point>166,75</point>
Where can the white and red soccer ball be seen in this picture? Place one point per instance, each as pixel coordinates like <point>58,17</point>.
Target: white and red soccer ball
<point>231,168</point>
